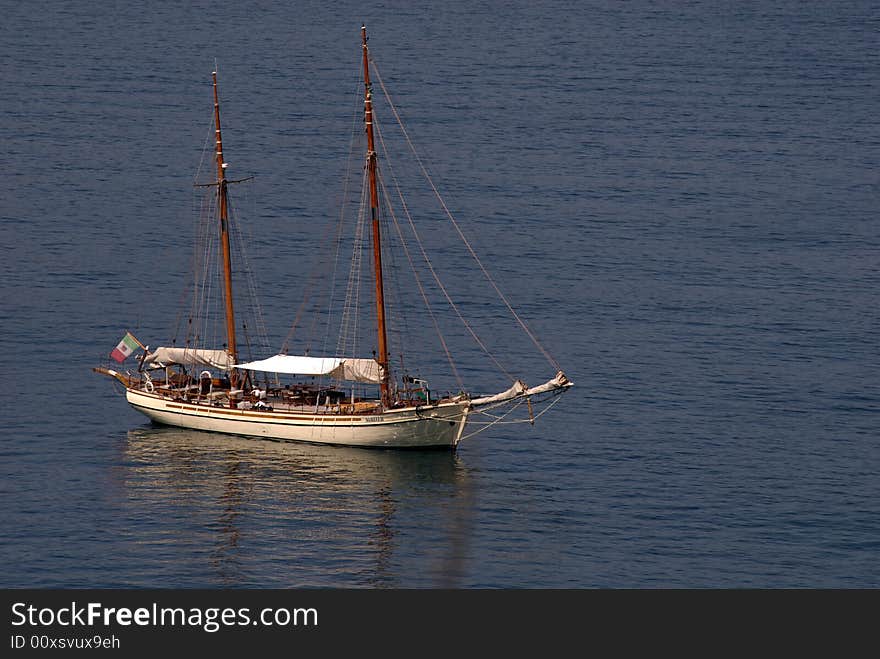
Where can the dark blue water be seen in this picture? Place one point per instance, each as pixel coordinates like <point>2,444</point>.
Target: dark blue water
<point>680,197</point>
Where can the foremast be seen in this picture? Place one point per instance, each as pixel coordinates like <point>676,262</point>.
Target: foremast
<point>223,212</point>
<point>372,166</point>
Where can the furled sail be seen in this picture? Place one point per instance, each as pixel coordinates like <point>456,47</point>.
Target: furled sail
<point>558,382</point>
<point>517,389</point>
<point>190,357</point>
<point>353,370</point>
<point>520,389</point>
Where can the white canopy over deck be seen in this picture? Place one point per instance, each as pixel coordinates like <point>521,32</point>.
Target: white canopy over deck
<point>339,368</point>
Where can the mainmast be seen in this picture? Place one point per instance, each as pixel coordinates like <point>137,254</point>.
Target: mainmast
<point>223,208</point>
<point>374,212</point>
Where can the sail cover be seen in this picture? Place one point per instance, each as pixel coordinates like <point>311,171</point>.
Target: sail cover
<point>558,382</point>
<point>519,389</point>
<point>355,370</point>
<point>190,357</point>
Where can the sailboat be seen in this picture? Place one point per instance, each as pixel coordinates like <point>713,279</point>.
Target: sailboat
<point>337,398</point>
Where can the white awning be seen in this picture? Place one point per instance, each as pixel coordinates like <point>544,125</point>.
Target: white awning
<point>190,357</point>
<point>356,370</point>
<point>293,364</point>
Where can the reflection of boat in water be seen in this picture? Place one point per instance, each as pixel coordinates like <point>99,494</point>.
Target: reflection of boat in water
<point>205,382</point>
<point>189,452</point>
<point>340,513</point>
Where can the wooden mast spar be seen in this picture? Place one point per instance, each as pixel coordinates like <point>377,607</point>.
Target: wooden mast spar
<point>223,208</point>
<point>374,212</point>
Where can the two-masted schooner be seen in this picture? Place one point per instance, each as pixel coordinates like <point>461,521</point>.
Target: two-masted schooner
<point>214,389</point>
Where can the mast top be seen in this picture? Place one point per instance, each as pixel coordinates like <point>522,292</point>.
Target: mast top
<point>221,162</point>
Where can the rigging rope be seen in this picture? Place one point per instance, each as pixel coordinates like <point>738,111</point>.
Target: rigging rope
<point>500,420</point>
<point>432,270</point>
<point>419,284</point>
<point>399,337</point>
<point>349,322</point>
<point>521,322</point>
<point>410,259</point>
<point>254,309</point>
<point>318,262</point>
<point>198,209</point>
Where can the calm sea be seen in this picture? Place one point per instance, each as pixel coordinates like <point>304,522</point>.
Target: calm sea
<point>680,197</point>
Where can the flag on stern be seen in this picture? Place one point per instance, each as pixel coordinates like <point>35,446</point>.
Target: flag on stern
<point>127,346</point>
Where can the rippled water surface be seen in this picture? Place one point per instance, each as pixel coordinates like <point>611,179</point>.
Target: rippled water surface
<point>681,198</point>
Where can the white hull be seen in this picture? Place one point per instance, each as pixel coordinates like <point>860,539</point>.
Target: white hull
<point>429,426</point>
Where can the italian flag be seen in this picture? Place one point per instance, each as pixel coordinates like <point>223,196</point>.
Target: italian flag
<point>127,346</point>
